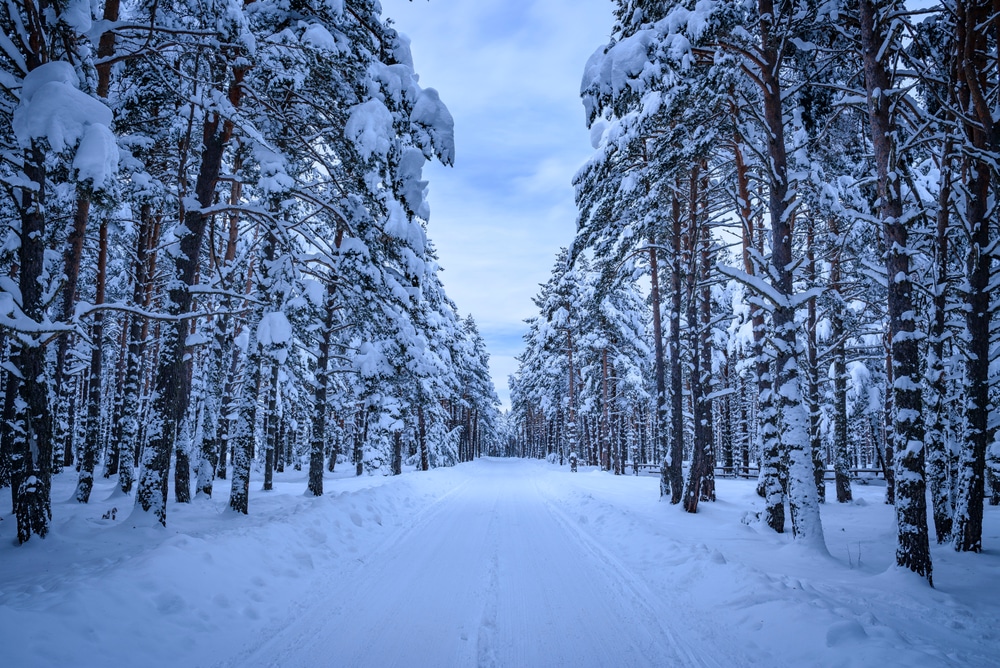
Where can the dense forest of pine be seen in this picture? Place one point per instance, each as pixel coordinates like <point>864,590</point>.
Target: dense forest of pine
<point>784,263</point>
<point>214,252</point>
<point>215,257</point>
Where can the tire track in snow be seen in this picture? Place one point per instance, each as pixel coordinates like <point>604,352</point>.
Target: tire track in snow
<point>491,575</point>
<point>634,590</point>
<point>486,651</point>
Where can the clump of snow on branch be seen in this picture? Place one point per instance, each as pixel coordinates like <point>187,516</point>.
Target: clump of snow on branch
<point>370,128</point>
<point>434,126</point>
<point>54,110</point>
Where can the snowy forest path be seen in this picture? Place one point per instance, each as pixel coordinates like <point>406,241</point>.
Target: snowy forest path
<point>493,574</point>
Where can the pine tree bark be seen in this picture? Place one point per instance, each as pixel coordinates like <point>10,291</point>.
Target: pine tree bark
<point>397,453</point>
<point>113,459</point>
<point>571,434</point>
<point>975,53</point>
<point>172,388</point>
<point>422,438</point>
<point>803,504</point>
<point>701,409</point>
<point>72,258</point>
<point>31,448</point>
<point>841,455</point>
<point>676,368</point>
<point>770,465</point>
<point>705,414</point>
<point>660,415</point>
<point>913,550</point>
<point>812,369</point>
<point>230,405</point>
<point>360,436</point>
<point>245,433</point>
<point>126,429</point>
<point>317,444</point>
<point>937,381</point>
<point>271,419</point>
<point>245,439</point>
<point>605,423</point>
<point>92,439</point>
<point>7,421</point>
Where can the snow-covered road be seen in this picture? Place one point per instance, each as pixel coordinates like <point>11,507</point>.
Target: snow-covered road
<point>491,563</point>
<point>493,574</point>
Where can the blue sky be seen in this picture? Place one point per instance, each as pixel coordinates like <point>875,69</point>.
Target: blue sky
<point>510,72</point>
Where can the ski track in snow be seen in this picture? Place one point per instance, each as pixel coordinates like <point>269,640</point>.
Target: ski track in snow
<point>522,588</point>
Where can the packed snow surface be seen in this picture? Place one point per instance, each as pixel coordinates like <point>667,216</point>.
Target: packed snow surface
<point>493,563</point>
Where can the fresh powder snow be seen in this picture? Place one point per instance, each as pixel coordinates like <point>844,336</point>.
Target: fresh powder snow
<point>498,562</point>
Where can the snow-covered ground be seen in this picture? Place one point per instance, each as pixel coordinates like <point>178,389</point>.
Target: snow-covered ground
<point>493,563</point>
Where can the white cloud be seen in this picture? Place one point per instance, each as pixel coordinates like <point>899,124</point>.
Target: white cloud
<point>510,74</point>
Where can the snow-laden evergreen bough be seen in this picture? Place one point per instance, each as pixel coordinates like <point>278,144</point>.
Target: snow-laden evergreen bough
<point>846,151</point>
<point>266,292</point>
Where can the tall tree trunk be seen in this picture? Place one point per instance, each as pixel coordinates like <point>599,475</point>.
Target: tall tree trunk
<point>7,418</point>
<point>114,446</point>
<point>605,423</point>
<point>841,460</point>
<point>422,438</point>
<point>360,436</point>
<point>91,441</point>
<point>245,438</point>
<point>701,445</point>
<point>280,452</point>
<point>661,417</point>
<point>726,416</point>
<point>770,464</point>
<point>271,419</point>
<point>126,428</point>
<point>571,435</point>
<point>937,445</point>
<point>173,385</point>
<point>72,258</point>
<point>912,550</point>
<point>397,453</point>
<point>317,444</point>
<point>812,368</point>
<point>705,413</point>
<point>676,418</point>
<point>794,435</point>
<point>31,449</point>
<point>976,68</point>
<point>230,405</point>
